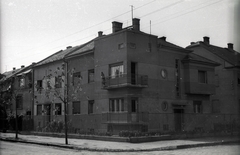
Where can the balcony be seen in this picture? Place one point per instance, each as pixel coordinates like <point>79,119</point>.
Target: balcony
<point>125,80</point>
<point>125,118</point>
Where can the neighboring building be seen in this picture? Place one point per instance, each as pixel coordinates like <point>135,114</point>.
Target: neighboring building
<point>227,75</point>
<point>50,88</point>
<point>17,84</point>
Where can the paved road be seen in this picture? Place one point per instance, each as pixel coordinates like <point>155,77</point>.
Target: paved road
<point>7,148</point>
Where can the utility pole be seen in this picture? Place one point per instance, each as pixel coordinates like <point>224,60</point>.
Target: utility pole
<point>16,121</point>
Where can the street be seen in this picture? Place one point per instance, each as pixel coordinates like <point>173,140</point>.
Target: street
<point>8,148</point>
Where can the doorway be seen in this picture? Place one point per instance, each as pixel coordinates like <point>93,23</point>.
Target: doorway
<point>133,72</point>
<point>179,119</point>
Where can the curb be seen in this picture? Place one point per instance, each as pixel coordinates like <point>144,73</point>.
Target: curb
<point>120,150</point>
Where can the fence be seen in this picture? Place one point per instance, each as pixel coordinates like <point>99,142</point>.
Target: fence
<point>141,122</point>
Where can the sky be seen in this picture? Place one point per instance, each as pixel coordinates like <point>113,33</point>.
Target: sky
<point>31,30</point>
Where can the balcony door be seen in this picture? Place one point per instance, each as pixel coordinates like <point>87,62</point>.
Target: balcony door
<point>133,73</point>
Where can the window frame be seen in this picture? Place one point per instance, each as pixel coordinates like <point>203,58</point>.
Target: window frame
<point>91,77</point>
<point>90,106</point>
<point>115,75</point>
<point>197,107</point>
<point>76,75</point>
<point>115,105</point>
<point>39,109</point>
<point>202,79</point>
<point>76,110</point>
<point>58,111</point>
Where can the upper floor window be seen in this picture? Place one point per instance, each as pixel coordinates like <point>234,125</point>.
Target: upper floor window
<point>76,78</point>
<point>116,70</point>
<point>39,84</point>
<point>120,46</point>
<point>91,76</point>
<point>58,82</point>
<point>22,82</point>
<point>202,76</point>
<point>132,45</point>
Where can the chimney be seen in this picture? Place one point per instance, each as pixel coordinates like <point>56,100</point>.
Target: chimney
<point>136,24</point>
<point>22,66</point>
<point>192,43</point>
<point>14,68</point>
<point>163,38</point>
<point>100,33</point>
<point>116,26</point>
<point>69,47</point>
<point>206,40</point>
<point>230,45</point>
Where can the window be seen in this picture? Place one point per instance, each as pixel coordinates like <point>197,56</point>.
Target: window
<point>76,107</point>
<point>120,46</point>
<point>76,78</point>
<point>132,45</point>
<point>22,82</point>
<point>39,109</point>
<point>116,71</point>
<point>39,84</point>
<point>90,106</point>
<point>134,105</point>
<point>197,106</point>
<point>215,106</point>
<point>58,82</point>
<point>91,76</point>
<point>58,109</point>
<point>202,76</point>
<point>19,101</point>
<point>116,105</point>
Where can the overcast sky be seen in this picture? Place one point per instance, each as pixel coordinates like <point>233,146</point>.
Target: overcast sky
<point>31,30</point>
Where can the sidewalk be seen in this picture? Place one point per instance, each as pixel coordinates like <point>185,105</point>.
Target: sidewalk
<point>96,145</point>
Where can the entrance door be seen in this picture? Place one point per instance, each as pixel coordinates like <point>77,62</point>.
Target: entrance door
<point>178,119</point>
<point>133,73</point>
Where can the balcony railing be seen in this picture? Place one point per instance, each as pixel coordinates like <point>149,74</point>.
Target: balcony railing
<point>124,118</point>
<point>125,80</point>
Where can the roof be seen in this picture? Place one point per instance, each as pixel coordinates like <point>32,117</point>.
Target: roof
<point>58,55</point>
<point>165,44</point>
<point>19,71</point>
<point>229,55</point>
<point>194,58</point>
<point>89,46</point>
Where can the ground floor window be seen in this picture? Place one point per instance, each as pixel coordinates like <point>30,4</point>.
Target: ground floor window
<point>58,109</point>
<point>134,105</point>
<point>90,106</point>
<point>76,107</point>
<point>197,106</point>
<point>39,109</point>
<point>116,105</point>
